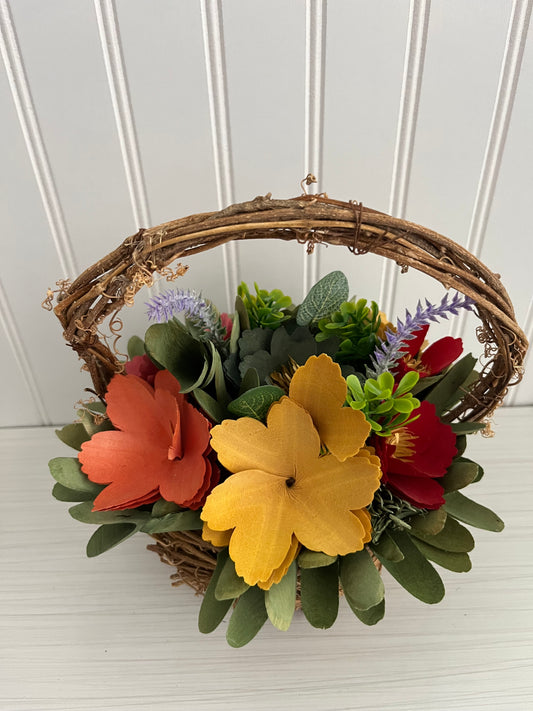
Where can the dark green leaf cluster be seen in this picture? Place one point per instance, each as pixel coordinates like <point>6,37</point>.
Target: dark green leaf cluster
<point>266,309</point>
<point>355,325</point>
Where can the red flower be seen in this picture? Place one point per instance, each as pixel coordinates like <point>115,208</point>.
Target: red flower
<point>143,367</point>
<point>160,447</point>
<point>432,360</point>
<point>415,456</point>
<point>227,322</point>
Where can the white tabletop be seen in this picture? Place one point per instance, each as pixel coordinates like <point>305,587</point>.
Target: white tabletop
<point>111,633</point>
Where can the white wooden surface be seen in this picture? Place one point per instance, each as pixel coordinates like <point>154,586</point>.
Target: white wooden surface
<point>111,633</point>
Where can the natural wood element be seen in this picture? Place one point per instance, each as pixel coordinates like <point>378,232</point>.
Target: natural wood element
<point>103,289</point>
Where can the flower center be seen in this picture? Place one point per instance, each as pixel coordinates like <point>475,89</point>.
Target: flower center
<point>404,444</point>
<point>290,482</point>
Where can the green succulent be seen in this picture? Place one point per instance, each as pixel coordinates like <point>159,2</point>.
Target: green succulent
<point>384,407</point>
<point>266,309</point>
<point>356,325</point>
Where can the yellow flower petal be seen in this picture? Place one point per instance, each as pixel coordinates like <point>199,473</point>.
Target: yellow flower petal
<point>248,444</point>
<point>283,568</point>
<point>220,539</point>
<point>319,388</point>
<point>364,517</point>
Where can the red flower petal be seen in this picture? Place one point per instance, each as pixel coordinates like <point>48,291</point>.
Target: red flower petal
<point>413,345</point>
<point>441,354</point>
<point>418,490</point>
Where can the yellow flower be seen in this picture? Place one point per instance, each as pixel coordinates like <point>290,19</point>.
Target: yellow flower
<point>283,492</point>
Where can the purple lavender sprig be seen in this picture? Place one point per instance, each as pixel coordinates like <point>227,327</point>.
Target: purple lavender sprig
<point>201,314</point>
<point>388,353</point>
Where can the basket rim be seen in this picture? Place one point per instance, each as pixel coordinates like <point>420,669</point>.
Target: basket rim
<point>100,292</point>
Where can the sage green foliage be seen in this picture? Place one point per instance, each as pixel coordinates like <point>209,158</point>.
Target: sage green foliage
<point>384,407</point>
<point>107,537</point>
<point>248,617</point>
<point>373,615</point>
<point>325,297</point>
<point>320,594</point>
<point>361,581</point>
<point>135,347</point>
<point>452,387</point>
<point>256,402</point>
<point>355,324</point>
<point>457,562</point>
<point>280,599</point>
<point>266,309</point>
<point>213,611</point>
<point>229,584</point>
<point>468,511</point>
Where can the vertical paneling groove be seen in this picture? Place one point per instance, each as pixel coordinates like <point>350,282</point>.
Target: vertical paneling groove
<point>528,330</point>
<point>405,137</point>
<point>315,73</point>
<point>501,116</point>
<point>215,62</point>
<point>120,97</point>
<point>15,342</point>
<point>31,131</point>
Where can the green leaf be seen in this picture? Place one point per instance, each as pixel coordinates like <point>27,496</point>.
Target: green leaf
<point>162,507</point>
<point>248,617</point>
<point>453,537</point>
<point>460,444</point>
<point>73,435</point>
<point>468,511</point>
<point>414,573</point>
<point>461,473</point>
<point>256,402</point>
<point>250,380</point>
<point>280,599</point>
<point>324,298</point>
<point>181,521</point>
<point>67,471</point>
<point>135,347</point>
<point>320,595</point>
<point>213,611</point>
<point>83,512</point>
<point>373,615</point>
<point>425,383</point>
<point>177,351</point>
<point>244,319</point>
<point>235,334</point>
<point>465,428</point>
<point>314,559</point>
<point>387,548</point>
<point>62,493</point>
<point>361,581</point>
<point>445,391</point>
<point>213,409</point>
<point>429,523</point>
<point>107,537</point>
<point>457,562</point>
<point>230,585</point>
<point>92,421</point>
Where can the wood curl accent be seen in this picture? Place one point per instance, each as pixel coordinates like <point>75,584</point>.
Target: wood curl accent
<point>102,290</point>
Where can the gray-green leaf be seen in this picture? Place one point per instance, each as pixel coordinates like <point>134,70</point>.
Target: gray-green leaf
<point>213,611</point>
<point>468,511</point>
<point>361,581</point>
<point>107,537</point>
<point>256,402</point>
<point>320,595</point>
<point>248,617</point>
<point>280,599</point>
<point>67,471</point>
<point>324,298</point>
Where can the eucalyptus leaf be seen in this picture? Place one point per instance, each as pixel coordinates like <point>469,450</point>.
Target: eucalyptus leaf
<point>373,615</point>
<point>253,340</point>
<point>180,521</point>
<point>73,435</point>
<point>461,473</point>
<point>67,471</point>
<point>256,402</point>
<point>465,428</point>
<point>135,347</point>
<point>452,537</point>
<point>320,595</point>
<point>429,523</point>
<point>387,548</point>
<point>213,611</point>
<point>176,350</point>
<point>230,585</point>
<point>62,493</point>
<point>468,511</point>
<point>457,562</point>
<point>213,409</point>
<point>445,391</point>
<point>249,380</point>
<point>325,297</point>
<point>314,559</point>
<point>107,537</point>
<point>248,617</point>
<point>361,581</point>
<point>83,512</point>
<point>280,599</point>
<point>414,573</point>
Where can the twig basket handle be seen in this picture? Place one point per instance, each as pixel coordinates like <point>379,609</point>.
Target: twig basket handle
<point>103,289</point>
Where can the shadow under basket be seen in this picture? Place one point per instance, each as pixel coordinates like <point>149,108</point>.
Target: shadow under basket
<point>100,292</point>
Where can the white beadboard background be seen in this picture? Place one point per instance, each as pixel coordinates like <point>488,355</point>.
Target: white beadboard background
<point>127,113</point>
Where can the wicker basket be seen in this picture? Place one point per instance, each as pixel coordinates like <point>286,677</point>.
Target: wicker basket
<point>103,289</point>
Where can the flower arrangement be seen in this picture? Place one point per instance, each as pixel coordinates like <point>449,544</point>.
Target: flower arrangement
<point>302,447</point>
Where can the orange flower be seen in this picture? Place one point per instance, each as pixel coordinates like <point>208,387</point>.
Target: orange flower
<point>159,448</point>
